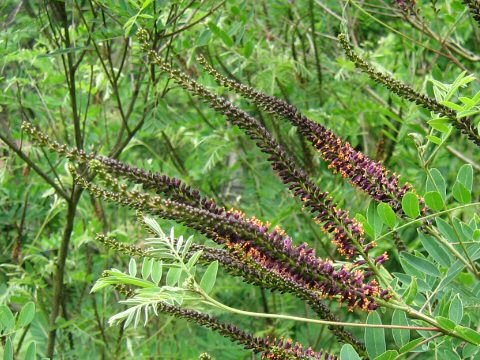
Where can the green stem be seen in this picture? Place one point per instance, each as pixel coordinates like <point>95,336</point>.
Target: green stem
<point>426,341</point>
<point>427,217</point>
<point>213,302</point>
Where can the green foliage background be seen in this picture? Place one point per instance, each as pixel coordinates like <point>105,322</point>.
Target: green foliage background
<point>287,49</point>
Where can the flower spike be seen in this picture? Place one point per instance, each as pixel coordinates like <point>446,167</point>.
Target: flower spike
<point>362,172</point>
<point>465,125</point>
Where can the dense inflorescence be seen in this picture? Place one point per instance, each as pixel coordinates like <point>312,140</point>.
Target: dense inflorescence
<point>273,250</point>
<point>270,348</point>
<point>465,124</point>
<point>237,264</point>
<point>261,255</point>
<point>474,7</point>
<point>361,171</point>
<point>347,232</point>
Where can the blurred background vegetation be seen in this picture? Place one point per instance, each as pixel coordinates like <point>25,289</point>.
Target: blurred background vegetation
<point>75,69</point>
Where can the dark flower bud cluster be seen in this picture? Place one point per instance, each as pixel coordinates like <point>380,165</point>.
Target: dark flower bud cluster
<point>280,349</point>
<point>273,250</point>
<point>270,348</point>
<point>127,249</point>
<point>474,7</point>
<point>362,172</point>
<point>347,233</point>
<point>43,140</point>
<point>237,264</point>
<point>465,125</point>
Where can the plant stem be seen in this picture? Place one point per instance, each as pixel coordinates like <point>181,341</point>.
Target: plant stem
<point>426,217</point>
<point>426,341</point>
<point>213,302</point>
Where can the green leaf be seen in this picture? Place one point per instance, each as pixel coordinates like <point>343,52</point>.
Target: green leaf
<point>465,113</point>
<point>248,49</point>
<point>7,320</point>
<point>173,275</point>
<point>208,279</point>
<point>470,334</point>
<point>400,336</point>
<point>436,182</point>
<point>469,350</point>
<point>348,353</point>
<point>204,37</point>
<point>26,314</point>
<point>156,274</point>
<point>435,250</point>
<point>388,355</point>
<point>146,267</point>
<point>31,352</point>
<point>434,139</point>
<point>8,350</point>
<point>420,264</point>
<point>374,337</point>
<point>374,219</point>
<point>476,235</point>
<point>193,260</point>
<point>455,311</point>
<point>411,205</point>
<point>440,124</point>
<point>461,193</point>
<point>447,231</point>
<point>411,291</point>
<point>132,267</point>
<point>465,176</point>
<point>410,346</point>
<point>452,105</point>
<point>449,354</point>
<point>227,40</point>
<point>445,323</point>
<point>434,201</point>
<point>387,214</point>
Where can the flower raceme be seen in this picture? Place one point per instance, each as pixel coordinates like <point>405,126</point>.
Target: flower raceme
<point>364,173</point>
<point>474,7</point>
<point>347,233</point>
<point>238,264</point>
<point>270,348</point>
<point>465,124</point>
<point>272,250</point>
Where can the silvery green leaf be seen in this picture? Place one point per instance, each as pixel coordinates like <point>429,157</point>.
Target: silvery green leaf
<point>146,314</point>
<point>188,243</point>
<point>138,312</point>
<point>179,243</point>
<point>208,279</point>
<point>132,267</point>
<point>348,353</point>
<point>31,351</point>
<point>173,275</point>
<point>26,314</point>
<point>129,319</point>
<point>193,260</point>
<point>154,226</point>
<point>8,350</point>
<point>147,267</point>
<point>156,271</point>
<point>100,284</point>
